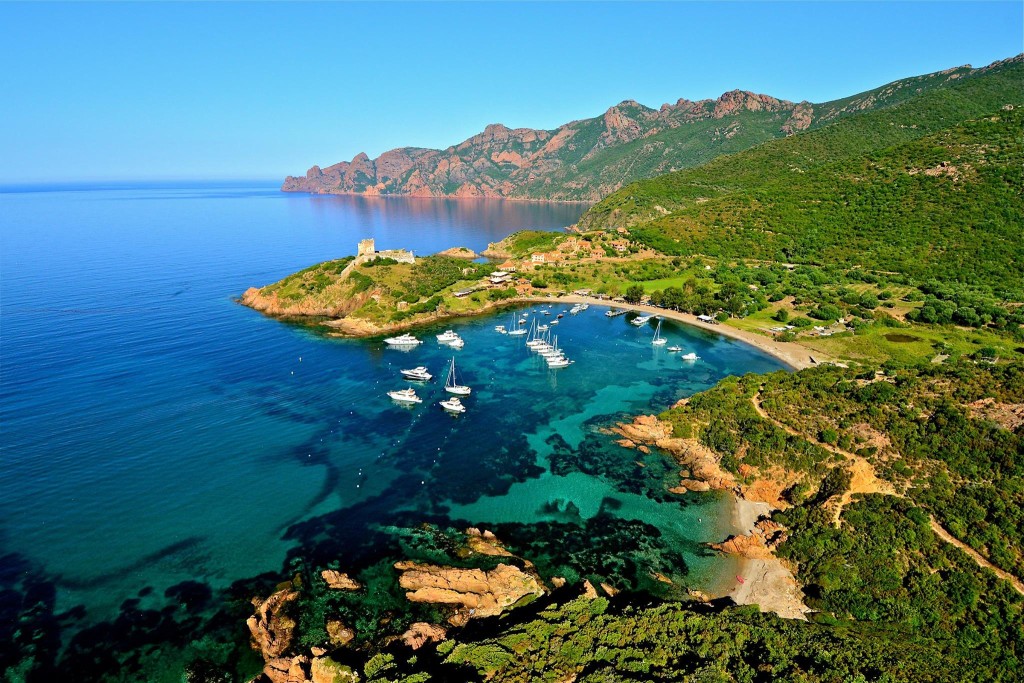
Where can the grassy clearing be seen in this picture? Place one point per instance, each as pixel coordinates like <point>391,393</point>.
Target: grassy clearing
<point>912,344</point>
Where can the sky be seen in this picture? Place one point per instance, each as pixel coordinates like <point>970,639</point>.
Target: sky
<point>133,91</point>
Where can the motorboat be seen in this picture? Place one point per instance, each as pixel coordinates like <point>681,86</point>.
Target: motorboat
<point>405,396</point>
<point>453,405</point>
<point>402,340</point>
<point>457,343</point>
<point>675,348</point>
<point>690,356</point>
<point>641,320</point>
<point>500,329</point>
<point>447,336</point>
<point>419,374</point>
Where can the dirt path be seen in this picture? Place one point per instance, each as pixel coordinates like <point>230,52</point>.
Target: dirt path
<point>865,481</point>
<point>863,478</point>
<point>941,532</point>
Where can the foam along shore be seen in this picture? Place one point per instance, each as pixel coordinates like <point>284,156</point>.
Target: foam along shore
<point>792,354</point>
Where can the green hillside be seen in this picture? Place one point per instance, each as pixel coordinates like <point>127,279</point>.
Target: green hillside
<point>895,190</point>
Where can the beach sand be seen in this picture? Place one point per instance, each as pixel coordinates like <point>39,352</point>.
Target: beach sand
<point>745,514</point>
<point>772,587</point>
<point>767,583</point>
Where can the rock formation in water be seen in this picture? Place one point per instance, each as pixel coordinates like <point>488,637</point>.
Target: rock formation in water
<point>475,593</point>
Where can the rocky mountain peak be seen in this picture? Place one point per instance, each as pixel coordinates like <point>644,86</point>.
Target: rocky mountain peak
<point>736,100</point>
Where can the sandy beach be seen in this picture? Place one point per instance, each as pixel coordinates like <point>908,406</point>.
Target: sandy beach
<point>745,514</point>
<point>792,354</point>
<point>763,581</point>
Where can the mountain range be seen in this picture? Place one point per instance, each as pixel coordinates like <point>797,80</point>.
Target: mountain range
<point>587,159</point>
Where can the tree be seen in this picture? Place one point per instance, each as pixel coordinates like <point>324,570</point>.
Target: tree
<point>634,293</point>
<point>782,315</point>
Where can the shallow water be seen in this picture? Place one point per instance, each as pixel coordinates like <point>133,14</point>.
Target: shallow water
<point>156,432</point>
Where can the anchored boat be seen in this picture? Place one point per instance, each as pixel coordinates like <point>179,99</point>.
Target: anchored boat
<point>453,405</point>
<point>402,340</point>
<point>405,396</point>
<point>451,384</point>
<point>418,374</point>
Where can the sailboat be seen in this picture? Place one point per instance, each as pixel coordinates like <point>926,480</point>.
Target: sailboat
<point>515,329</point>
<point>451,384</point>
<point>658,339</point>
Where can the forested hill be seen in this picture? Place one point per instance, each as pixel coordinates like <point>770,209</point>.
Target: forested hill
<point>589,158</point>
<point>931,187</point>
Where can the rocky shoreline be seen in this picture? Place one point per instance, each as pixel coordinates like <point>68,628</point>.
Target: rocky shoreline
<point>464,594</point>
<point>763,579</point>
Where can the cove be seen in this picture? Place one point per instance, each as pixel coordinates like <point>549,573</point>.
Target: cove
<point>164,444</point>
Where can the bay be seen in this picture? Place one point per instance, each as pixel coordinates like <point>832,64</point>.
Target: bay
<point>156,432</point>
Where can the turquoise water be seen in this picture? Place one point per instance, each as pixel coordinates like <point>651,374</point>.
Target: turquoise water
<point>157,433</point>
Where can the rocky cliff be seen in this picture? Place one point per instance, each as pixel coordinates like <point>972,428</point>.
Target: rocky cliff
<point>528,163</point>
<point>589,158</point>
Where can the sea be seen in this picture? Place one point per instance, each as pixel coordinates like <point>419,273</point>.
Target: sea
<point>160,440</point>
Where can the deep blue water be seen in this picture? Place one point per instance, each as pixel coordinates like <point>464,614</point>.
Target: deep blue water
<point>154,431</point>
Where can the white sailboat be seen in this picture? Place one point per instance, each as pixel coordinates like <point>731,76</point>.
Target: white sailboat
<point>658,339</point>
<point>515,329</point>
<point>559,362</point>
<point>451,384</point>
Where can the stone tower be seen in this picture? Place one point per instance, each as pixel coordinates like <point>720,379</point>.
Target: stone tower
<point>366,248</point>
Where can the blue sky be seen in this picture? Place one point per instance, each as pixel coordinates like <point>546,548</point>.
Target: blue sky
<point>230,90</point>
